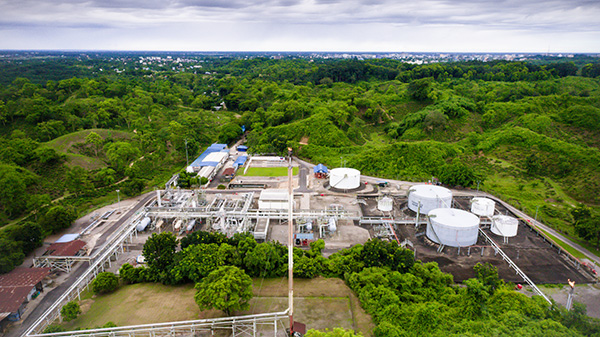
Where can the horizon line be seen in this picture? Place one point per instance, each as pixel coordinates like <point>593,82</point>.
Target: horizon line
<point>296,52</point>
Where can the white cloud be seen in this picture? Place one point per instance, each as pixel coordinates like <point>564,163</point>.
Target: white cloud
<point>362,25</point>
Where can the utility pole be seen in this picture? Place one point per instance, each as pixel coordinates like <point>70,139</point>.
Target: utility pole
<point>118,199</point>
<point>536,212</point>
<point>290,244</point>
<point>478,185</point>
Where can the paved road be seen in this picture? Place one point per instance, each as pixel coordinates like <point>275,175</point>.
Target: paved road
<point>79,269</point>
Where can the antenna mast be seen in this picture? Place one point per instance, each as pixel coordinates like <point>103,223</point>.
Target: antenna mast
<point>290,244</point>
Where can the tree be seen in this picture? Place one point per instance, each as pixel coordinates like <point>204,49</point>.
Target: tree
<point>457,174</point>
<point>120,154</point>
<point>95,140</point>
<point>57,218</point>
<point>78,181</point>
<point>70,311</point>
<point>11,255</point>
<point>159,252</point>
<point>197,261</point>
<point>105,283</point>
<point>420,89</point>
<point>227,288</point>
<point>28,234</point>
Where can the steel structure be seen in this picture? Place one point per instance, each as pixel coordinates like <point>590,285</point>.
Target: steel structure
<point>514,266</point>
<point>238,325</point>
<point>98,263</point>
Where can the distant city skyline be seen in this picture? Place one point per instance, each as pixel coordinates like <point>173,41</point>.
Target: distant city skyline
<point>508,26</point>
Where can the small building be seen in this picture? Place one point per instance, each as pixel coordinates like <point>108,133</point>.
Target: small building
<point>320,171</point>
<point>228,173</point>
<point>17,288</point>
<point>239,161</point>
<point>242,148</point>
<point>71,248</point>
<point>274,199</point>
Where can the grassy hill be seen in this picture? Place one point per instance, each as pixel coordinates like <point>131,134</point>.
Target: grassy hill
<point>67,144</point>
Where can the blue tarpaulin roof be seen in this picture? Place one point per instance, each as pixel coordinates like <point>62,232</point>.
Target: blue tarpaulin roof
<point>240,161</point>
<point>320,169</point>
<point>213,148</point>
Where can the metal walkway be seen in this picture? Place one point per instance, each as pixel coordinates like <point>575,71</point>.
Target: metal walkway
<point>514,266</point>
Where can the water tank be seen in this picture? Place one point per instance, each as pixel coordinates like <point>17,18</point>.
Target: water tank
<point>344,178</point>
<point>385,204</point>
<point>483,206</point>
<point>143,224</point>
<point>309,225</point>
<point>504,225</point>
<point>452,227</point>
<point>332,225</point>
<point>429,197</point>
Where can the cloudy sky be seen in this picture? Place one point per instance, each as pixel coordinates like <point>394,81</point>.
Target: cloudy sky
<point>303,25</point>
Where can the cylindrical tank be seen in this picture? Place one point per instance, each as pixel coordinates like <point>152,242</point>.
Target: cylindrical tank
<point>385,204</point>
<point>177,224</point>
<point>332,225</point>
<point>452,227</point>
<point>429,197</point>
<point>483,206</point>
<point>191,225</point>
<point>309,225</point>
<point>344,178</point>
<point>504,225</point>
<point>143,224</point>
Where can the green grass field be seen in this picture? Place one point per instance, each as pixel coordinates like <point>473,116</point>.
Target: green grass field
<point>64,144</point>
<point>320,303</point>
<point>268,172</point>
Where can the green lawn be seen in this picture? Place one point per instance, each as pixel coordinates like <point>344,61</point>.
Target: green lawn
<point>268,171</point>
<point>320,303</point>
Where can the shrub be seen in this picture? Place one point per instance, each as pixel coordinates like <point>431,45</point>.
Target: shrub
<point>70,311</point>
<point>105,283</point>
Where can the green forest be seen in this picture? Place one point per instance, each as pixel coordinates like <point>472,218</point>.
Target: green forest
<point>404,297</point>
<point>76,128</point>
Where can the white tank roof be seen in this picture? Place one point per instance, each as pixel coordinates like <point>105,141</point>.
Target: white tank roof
<point>453,217</point>
<point>424,198</point>
<point>344,178</point>
<point>483,206</point>
<point>431,191</point>
<point>504,225</point>
<point>385,204</point>
<point>452,227</point>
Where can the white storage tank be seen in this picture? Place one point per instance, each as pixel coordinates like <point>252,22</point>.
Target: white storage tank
<point>332,225</point>
<point>483,206</point>
<point>385,204</point>
<point>429,197</point>
<point>504,225</point>
<point>143,224</point>
<point>344,178</point>
<point>452,227</point>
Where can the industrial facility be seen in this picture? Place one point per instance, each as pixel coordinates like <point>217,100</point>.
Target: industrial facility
<point>457,230</point>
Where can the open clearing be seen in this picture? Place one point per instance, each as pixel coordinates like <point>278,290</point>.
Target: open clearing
<point>320,303</point>
<point>65,144</point>
<point>269,171</point>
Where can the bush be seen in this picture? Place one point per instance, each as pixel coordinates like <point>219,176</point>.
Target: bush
<point>105,283</point>
<point>70,311</point>
<point>54,328</point>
